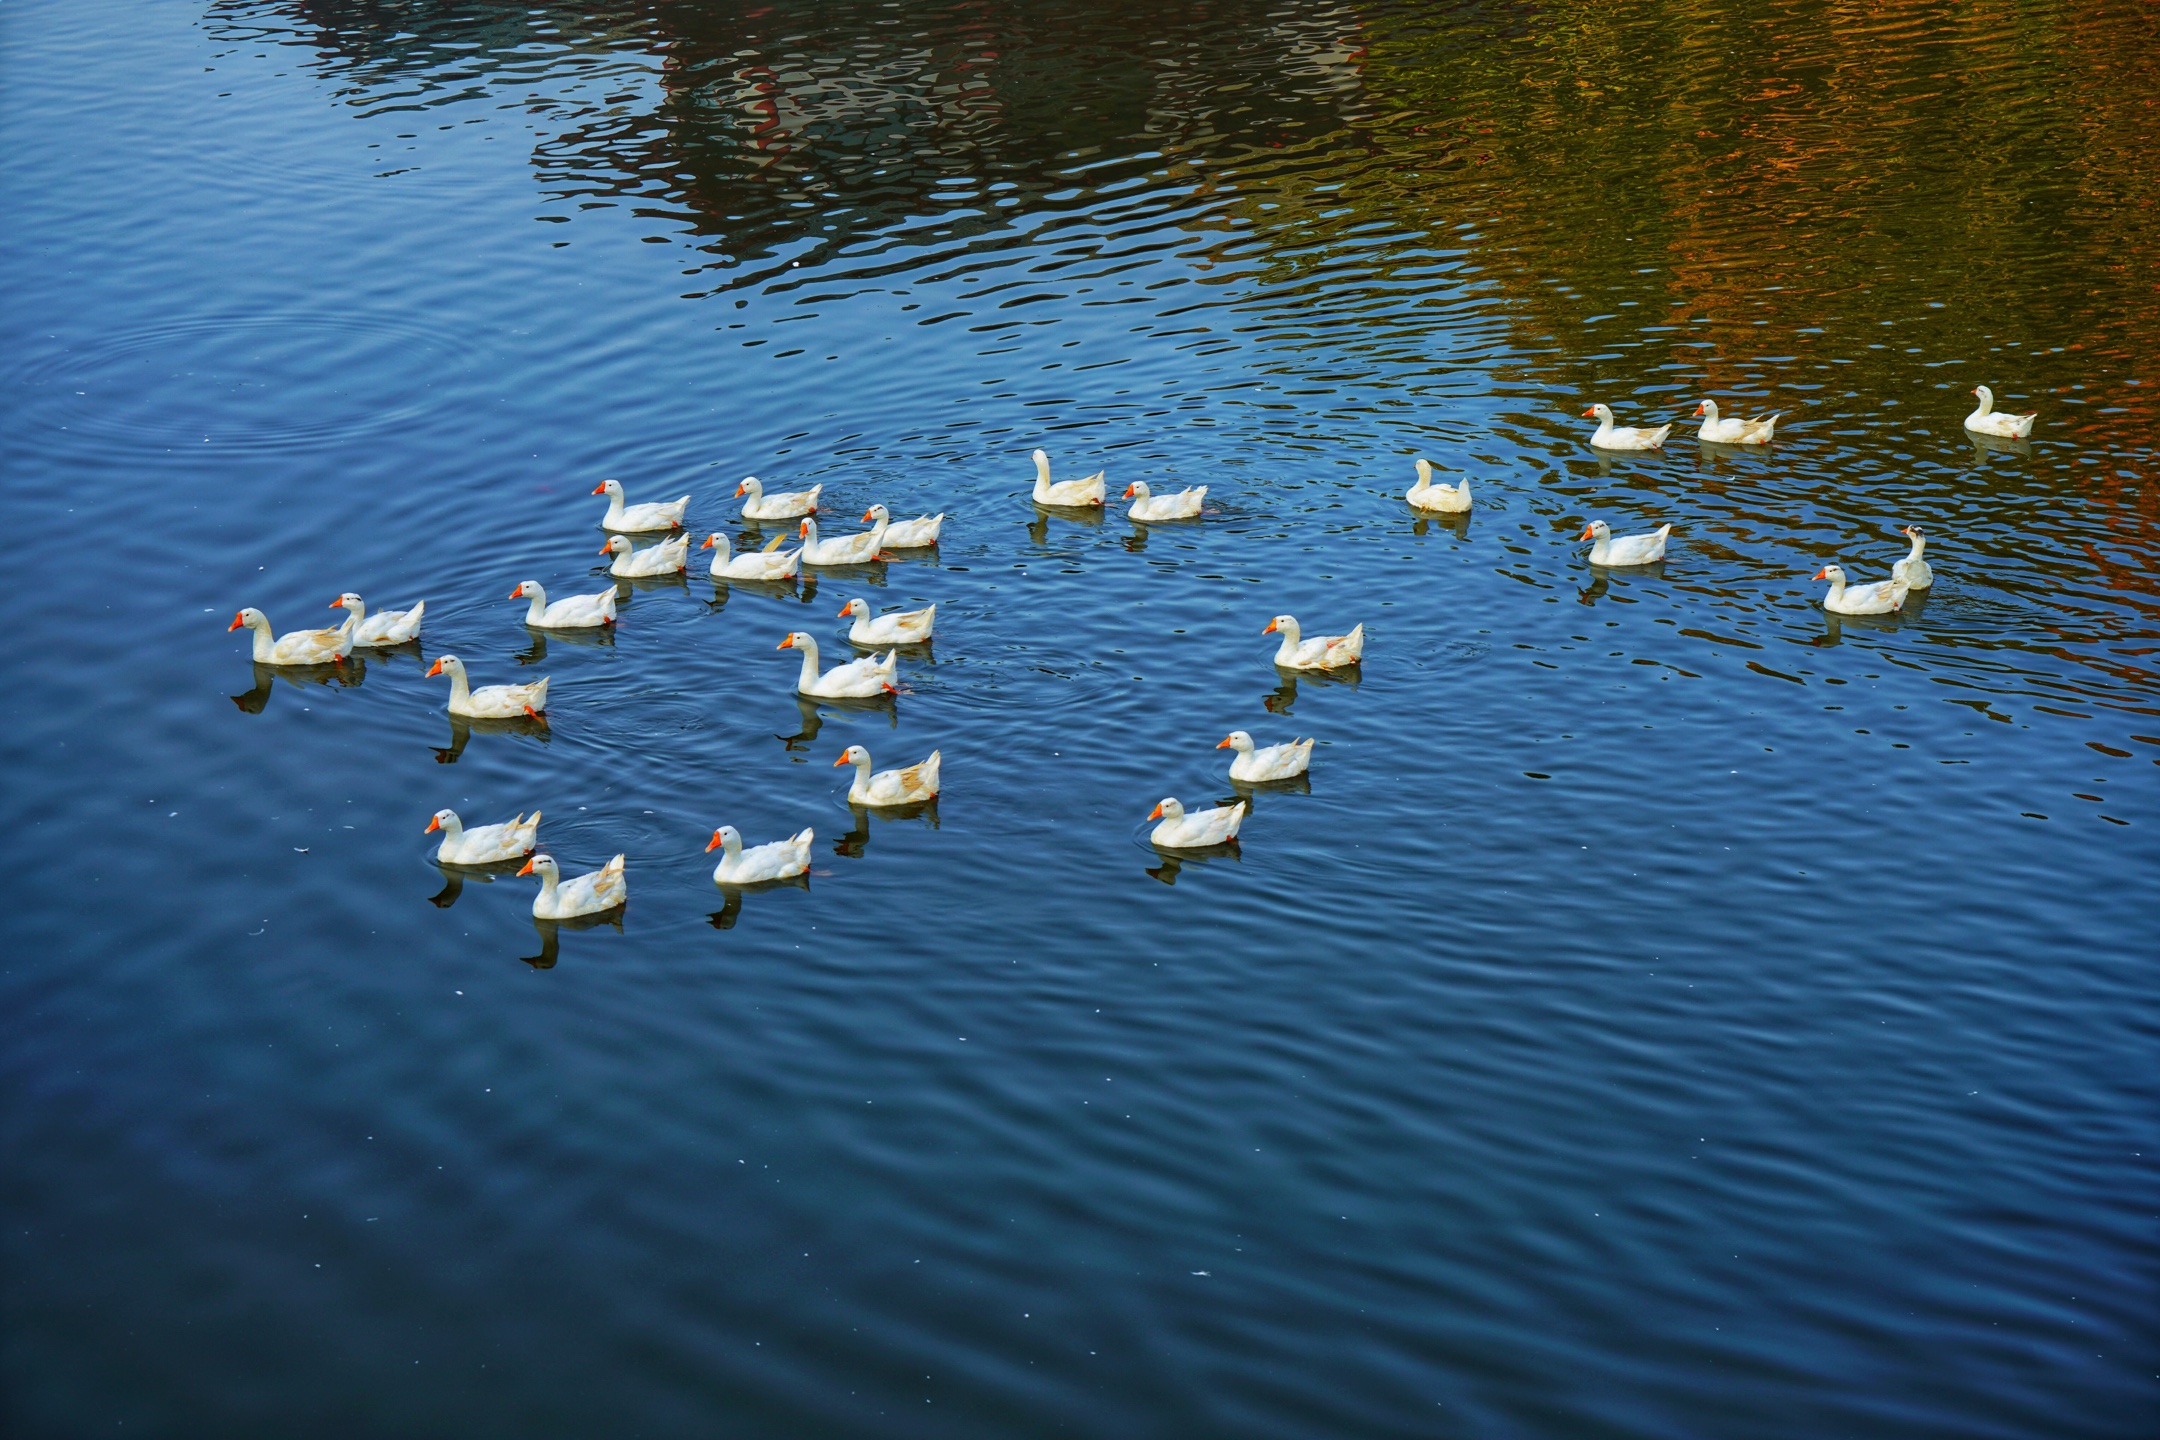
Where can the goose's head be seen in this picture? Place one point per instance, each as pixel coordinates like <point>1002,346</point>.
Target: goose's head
<point>858,607</point>
<point>796,640</point>
<point>1707,409</point>
<point>349,601</point>
<point>1831,573</point>
<point>750,485</point>
<point>543,866</point>
<point>1602,412</point>
<point>1166,810</point>
<point>610,488</point>
<point>1236,740</point>
<point>617,545</point>
<point>442,820</point>
<point>876,514</point>
<point>808,529</point>
<point>1424,471</point>
<point>1286,624</point>
<point>526,589</point>
<point>1596,530</point>
<point>1987,396</point>
<point>1912,532</point>
<point>252,618</point>
<point>446,665</point>
<point>853,755</point>
<point>1042,464</point>
<point>716,541</point>
<point>1139,489</point>
<point>725,835</point>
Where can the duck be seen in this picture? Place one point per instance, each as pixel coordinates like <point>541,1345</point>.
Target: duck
<point>1877,598</point>
<point>1088,491</point>
<point>1913,569</point>
<point>775,860</point>
<point>384,627</point>
<point>1621,437</point>
<point>771,563</point>
<point>890,787</point>
<point>780,505</point>
<point>1322,652</point>
<point>295,647</point>
<point>572,612</point>
<point>590,894</point>
<point>901,627</point>
<point>1273,762</point>
<point>1180,831</point>
<point>657,515</point>
<point>1985,421</point>
<point>631,563</point>
<point>1448,499</point>
<point>1184,505</point>
<point>484,844</point>
<point>1733,431</point>
<point>857,679</point>
<point>1610,550</point>
<point>490,702</point>
<point>858,549</point>
<point>916,534</point>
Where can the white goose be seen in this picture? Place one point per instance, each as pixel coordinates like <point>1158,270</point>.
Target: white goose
<point>858,549</point>
<point>1273,762</point>
<point>1322,652</point>
<point>294,647</point>
<point>1612,550</point>
<point>631,563</point>
<point>856,680</point>
<point>572,612</point>
<point>1733,431</point>
<point>1877,598</point>
<point>1182,506</point>
<point>774,860</point>
<point>484,844</point>
<point>384,627</point>
<point>1913,569</point>
<point>901,627</point>
<point>780,505</point>
<point>771,563</point>
<point>589,894</point>
<point>1088,491</point>
<point>1622,437</point>
<point>655,515</point>
<point>1180,831</point>
<point>890,787</point>
<point>490,702</point>
<point>1448,499</point>
<point>1985,421</point>
<point>914,534</point>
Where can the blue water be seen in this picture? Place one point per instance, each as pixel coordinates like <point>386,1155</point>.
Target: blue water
<point>1668,1010</point>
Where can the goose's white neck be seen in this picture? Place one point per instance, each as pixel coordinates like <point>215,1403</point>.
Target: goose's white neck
<point>808,647</point>
<point>1291,635</point>
<point>862,775</point>
<point>1987,402</point>
<point>615,503</point>
<point>1919,543</point>
<point>453,830</point>
<point>460,690</point>
<point>1424,475</point>
<point>549,877</point>
<point>265,645</point>
<point>1042,474</point>
<point>1601,549</point>
<point>538,596</point>
<point>1837,585</point>
<point>730,849</point>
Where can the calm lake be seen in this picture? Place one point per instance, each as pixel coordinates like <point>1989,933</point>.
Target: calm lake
<point>1665,1009</point>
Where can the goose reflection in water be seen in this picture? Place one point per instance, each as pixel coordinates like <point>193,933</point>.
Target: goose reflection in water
<point>1985,445</point>
<point>1172,863</point>
<point>804,590</point>
<point>1250,791</point>
<point>1835,625</point>
<point>536,651</point>
<point>1039,528</point>
<point>463,728</point>
<point>856,841</point>
<point>455,876</point>
<point>1457,525</point>
<point>731,897</point>
<point>1279,700</point>
<point>550,931</point>
<point>353,672</point>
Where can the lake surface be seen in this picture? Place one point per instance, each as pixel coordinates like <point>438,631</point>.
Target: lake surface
<point>1667,1011</point>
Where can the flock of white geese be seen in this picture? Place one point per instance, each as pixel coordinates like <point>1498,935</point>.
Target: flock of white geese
<point>870,675</point>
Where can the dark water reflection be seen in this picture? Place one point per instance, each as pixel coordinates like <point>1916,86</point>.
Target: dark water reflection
<point>1666,1008</point>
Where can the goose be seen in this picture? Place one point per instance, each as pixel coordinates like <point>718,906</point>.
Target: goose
<point>1610,551</point>
<point>1182,506</point>
<point>1065,492</point>
<point>1733,431</point>
<point>1322,652</point>
<point>603,889</point>
<point>572,612</point>
<point>890,787</point>
<point>771,563</point>
<point>858,549</point>
<point>1985,421</point>
<point>1878,598</point>
<point>902,627</point>
<point>1913,569</point>
<point>665,558</point>
<point>295,647</point>
<point>856,679</point>
<point>490,702</point>
<point>656,515</point>
<point>775,860</point>
<point>914,534</point>
<point>1273,762</point>
<point>1180,831</point>
<point>1621,437</point>
<point>1449,499</point>
<point>780,505</point>
<point>384,627</point>
<point>483,844</point>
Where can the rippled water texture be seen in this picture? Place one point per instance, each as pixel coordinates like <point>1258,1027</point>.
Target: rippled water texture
<point>1666,1011</point>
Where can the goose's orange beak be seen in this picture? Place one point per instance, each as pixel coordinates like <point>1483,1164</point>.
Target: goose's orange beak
<point>599,489</point>
<point>1822,574</point>
<point>1587,532</point>
<point>839,762</point>
<point>607,549</point>
<point>237,622</point>
<point>1698,409</point>
<point>1128,491</point>
<point>337,602</point>
<point>433,825</point>
<point>436,668</point>
<point>526,869</point>
<point>707,545</point>
<point>803,529</point>
<point>847,607</point>
<point>517,592</point>
<point>1156,813</point>
<point>739,490</point>
<point>866,517</point>
<point>1591,411</point>
<point>1270,628</point>
<point>1223,744</point>
<point>715,843</point>
<point>787,644</point>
